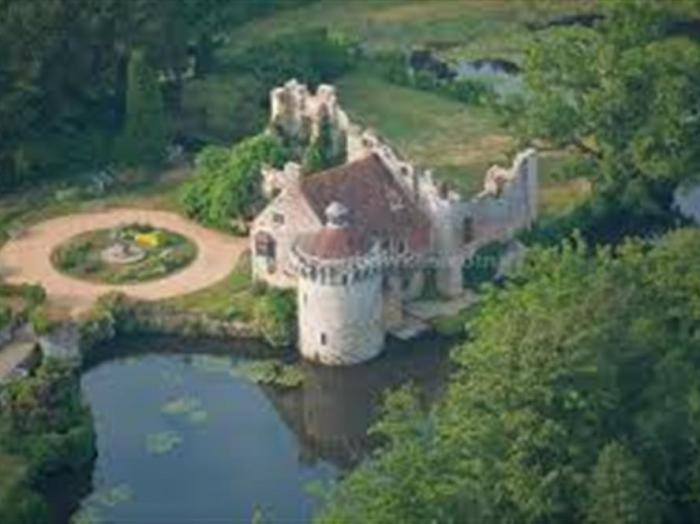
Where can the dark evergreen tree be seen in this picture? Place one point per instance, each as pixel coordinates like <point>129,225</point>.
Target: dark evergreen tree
<point>145,132</point>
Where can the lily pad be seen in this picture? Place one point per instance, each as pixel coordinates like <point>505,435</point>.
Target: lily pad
<point>114,496</point>
<point>163,442</point>
<point>211,364</point>
<point>270,372</point>
<point>181,406</point>
<point>87,515</point>
<point>199,416</point>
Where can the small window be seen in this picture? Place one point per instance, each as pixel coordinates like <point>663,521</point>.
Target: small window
<point>468,230</point>
<point>324,339</point>
<point>306,298</point>
<point>278,218</point>
<point>344,280</point>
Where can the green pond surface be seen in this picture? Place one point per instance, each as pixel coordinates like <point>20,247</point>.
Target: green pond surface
<point>183,439</point>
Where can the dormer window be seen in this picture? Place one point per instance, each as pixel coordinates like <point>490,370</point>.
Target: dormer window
<point>401,246</point>
<point>278,218</point>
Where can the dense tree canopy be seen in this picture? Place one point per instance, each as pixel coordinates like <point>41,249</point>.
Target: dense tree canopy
<point>226,186</point>
<point>625,94</point>
<point>580,350</point>
<point>63,70</point>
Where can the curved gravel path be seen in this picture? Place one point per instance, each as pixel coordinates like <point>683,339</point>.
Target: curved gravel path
<point>27,258</point>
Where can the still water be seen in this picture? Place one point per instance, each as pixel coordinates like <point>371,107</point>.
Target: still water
<point>182,440</point>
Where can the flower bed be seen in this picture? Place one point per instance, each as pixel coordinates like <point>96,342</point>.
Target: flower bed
<point>148,254</point>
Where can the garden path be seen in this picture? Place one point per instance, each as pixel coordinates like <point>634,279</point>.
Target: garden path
<point>28,257</point>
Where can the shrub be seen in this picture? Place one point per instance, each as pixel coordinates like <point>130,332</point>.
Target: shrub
<point>227,182</point>
<point>73,255</point>
<point>274,316</point>
<point>483,266</point>
<point>312,56</point>
<point>392,66</point>
<point>41,322</point>
<point>44,421</point>
<point>20,505</point>
<point>34,294</point>
<point>469,91</point>
<point>5,315</point>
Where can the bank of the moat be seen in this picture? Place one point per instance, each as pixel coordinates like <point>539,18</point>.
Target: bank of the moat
<point>181,438</point>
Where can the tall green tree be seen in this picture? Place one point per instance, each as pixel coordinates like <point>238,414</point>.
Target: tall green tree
<point>582,348</point>
<point>625,95</point>
<point>619,492</point>
<point>145,129</point>
<point>227,182</point>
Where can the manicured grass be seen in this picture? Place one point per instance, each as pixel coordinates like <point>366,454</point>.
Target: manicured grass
<point>458,142</point>
<point>233,297</point>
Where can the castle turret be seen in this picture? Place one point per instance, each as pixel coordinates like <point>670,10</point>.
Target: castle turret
<point>339,292</point>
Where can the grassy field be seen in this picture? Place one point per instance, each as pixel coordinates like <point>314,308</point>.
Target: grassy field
<point>458,142</point>
<point>459,28</point>
<point>232,297</point>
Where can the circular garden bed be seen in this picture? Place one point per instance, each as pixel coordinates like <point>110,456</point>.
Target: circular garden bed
<point>126,254</point>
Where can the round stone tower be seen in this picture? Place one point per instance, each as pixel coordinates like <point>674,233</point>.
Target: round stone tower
<point>339,292</point>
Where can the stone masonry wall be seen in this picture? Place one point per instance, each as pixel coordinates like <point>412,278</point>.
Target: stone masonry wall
<point>341,325</point>
<point>284,219</point>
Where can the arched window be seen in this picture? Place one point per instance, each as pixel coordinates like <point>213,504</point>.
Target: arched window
<point>265,245</point>
<point>266,248</point>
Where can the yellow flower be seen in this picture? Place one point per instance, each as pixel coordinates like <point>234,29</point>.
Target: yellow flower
<point>148,240</point>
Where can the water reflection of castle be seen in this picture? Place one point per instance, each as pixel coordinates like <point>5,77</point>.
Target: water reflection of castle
<point>331,414</point>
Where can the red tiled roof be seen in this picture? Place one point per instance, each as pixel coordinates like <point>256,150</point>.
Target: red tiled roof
<point>378,206</point>
<point>334,242</point>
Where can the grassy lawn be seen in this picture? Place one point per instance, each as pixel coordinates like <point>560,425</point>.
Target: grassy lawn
<point>460,28</point>
<point>232,297</point>
<point>458,142</point>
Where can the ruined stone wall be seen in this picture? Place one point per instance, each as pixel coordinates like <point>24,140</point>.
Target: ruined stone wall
<point>296,113</point>
<point>284,219</point>
<point>509,200</point>
<point>341,324</point>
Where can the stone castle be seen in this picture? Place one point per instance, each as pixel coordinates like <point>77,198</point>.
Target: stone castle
<point>361,240</point>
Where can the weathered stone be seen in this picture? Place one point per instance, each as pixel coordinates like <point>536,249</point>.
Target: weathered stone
<point>347,303</point>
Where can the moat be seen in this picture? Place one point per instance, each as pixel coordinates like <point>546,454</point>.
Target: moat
<point>181,439</point>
